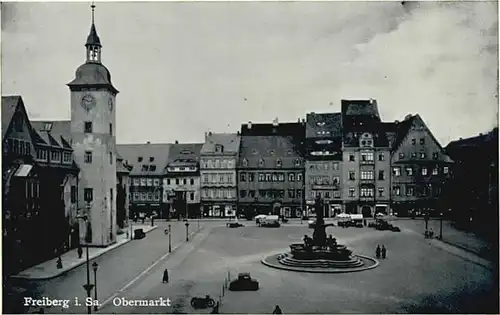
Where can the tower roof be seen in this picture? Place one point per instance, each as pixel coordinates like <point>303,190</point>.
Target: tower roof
<point>93,38</point>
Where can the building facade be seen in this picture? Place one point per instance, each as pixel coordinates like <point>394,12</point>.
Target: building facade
<point>271,169</point>
<point>147,162</point>
<point>93,130</point>
<point>420,169</point>
<point>181,185</point>
<point>218,159</point>
<point>323,154</point>
<point>122,192</point>
<point>366,159</point>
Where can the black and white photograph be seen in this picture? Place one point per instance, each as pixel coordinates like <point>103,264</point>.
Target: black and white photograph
<point>250,157</point>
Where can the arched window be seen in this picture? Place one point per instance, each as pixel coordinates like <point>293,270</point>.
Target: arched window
<point>261,162</point>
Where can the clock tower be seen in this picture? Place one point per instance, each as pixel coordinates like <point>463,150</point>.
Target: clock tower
<point>93,125</point>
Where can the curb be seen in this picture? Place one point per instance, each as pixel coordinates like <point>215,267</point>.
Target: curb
<point>464,248</point>
<point>347,270</point>
<point>76,265</point>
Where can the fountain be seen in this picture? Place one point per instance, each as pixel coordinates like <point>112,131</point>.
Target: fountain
<point>319,253</point>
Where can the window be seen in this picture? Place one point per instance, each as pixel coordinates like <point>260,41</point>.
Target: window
<point>367,175</point>
<point>136,182</point>
<point>299,177</point>
<point>381,192</point>
<point>291,193</point>
<point>445,170</point>
<point>88,157</point>
<point>335,166</point>
<point>191,196</point>
<point>245,162</point>
<point>217,163</point>
<point>139,159</point>
<point>157,196</point>
<point>435,171</point>
<point>219,148</point>
<point>435,155</point>
<point>281,177</point>
<point>156,182</point>
<point>424,171</point>
<point>381,175</point>
<point>422,140</point>
<point>297,162</point>
<point>243,193</point>
<point>275,177</point>
<point>67,157</point>
<point>177,181</point>
<point>366,192</point>
<point>251,177</point>
<point>409,171</point>
<point>367,156</point>
<point>149,182</point>
<point>335,180</point>
<point>143,182</point>
<point>191,182</point>
<point>261,162</point>
<point>222,178</point>
<point>145,168</point>
<point>88,127</point>
<point>413,141</point>
<point>144,196</point>
<point>410,191</point>
<point>268,177</point>
<point>55,156</point>
<point>243,177</point>
<point>327,195</point>
<point>137,196</point>
<point>110,158</point>
<point>352,175</point>
<point>278,163</point>
<point>298,193</point>
<point>184,181</point>
<point>205,178</point>
<point>74,195</point>
<point>110,129</point>
<point>88,194</point>
<point>422,155</point>
<point>352,158</point>
<point>396,190</point>
<point>381,156</point>
<point>262,177</point>
<point>414,155</point>
<point>352,192</point>
<point>152,168</point>
<point>41,154</point>
<point>401,155</point>
<point>396,171</point>
<point>336,194</point>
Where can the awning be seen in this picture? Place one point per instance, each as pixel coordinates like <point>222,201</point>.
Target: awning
<point>23,170</point>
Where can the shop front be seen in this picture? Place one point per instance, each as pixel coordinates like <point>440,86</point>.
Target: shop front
<point>219,210</point>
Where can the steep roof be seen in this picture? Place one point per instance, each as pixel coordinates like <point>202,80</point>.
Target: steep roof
<point>297,130</point>
<point>55,133</point>
<point>9,106</point>
<point>360,108</point>
<point>184,153</point>
<point>402,129</point>
<point>229,141</point>
<point>320,125</point>
<point>132,152</point>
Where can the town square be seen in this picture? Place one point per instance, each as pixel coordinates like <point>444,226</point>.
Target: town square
<point>254,157</point>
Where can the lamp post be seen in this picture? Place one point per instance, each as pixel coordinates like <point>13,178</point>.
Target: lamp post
<point>88,286</point>
<point>169,238</point>
<point>441,226</point>
<point>95,266</point>
<point>187,231</point>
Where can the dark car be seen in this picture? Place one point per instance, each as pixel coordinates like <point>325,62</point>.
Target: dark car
<point>234,225</point>
<point>244,283</point>
<point>395,229</point>
<point>139,234</point>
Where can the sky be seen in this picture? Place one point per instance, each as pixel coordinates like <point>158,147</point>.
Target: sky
<point>183,69</point>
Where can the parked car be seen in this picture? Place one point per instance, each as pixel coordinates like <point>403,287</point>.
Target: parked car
<point>139,234</point>
<point>259,218</point>
<point>311,223</point>
<point>234,224</point>
<point>244,283</point>
<point>270,221</point>
<point>395,229</point>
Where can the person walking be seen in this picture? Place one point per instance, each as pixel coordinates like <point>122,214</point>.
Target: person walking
<point>277,310</point>
<point>79,251</point>
<point>377,251</point>
<point>165,276</point>
<point>384,252</point>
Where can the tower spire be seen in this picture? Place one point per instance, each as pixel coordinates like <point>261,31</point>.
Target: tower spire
<point>93,43</point>
<point>93,8</point>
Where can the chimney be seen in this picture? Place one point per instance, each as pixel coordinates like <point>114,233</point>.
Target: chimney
<point>408,116</point>
<point>371,100</point>
<point>209,133</point>
<point>149,142</point>
<point>275,122</point>
<point>298,119</point>
<point>206,136</point>
<point>249,125</point>
<point>303,121</point>
<point>176,141</point>
<point>238,133</point>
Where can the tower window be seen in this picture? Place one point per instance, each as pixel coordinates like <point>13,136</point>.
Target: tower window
<point>139,159</point>
<point>88,157</point>
<point>88,194</point>
<point>88,127</point>
<point>151,158</point>
<point>110,129</point>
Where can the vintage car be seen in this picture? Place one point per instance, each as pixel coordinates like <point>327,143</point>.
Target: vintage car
<point>244,283</point>
<point>311,223</point>
<point>259,218</point>
<point>139,234</point>
<point>234,224</point>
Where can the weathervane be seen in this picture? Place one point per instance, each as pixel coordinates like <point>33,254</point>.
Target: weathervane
<point>93,8</point>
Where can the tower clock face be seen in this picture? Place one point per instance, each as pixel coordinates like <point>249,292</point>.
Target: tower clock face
<point>88,102</point>
<point>110,104</point>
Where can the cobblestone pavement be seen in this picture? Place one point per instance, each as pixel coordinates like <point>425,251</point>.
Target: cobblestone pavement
<point>416,277</point>
<point>116,269</point>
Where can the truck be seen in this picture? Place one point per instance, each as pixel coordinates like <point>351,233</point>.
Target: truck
<point>270,221</point>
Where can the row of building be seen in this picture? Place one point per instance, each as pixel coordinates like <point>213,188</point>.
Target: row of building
<point>352,159</point>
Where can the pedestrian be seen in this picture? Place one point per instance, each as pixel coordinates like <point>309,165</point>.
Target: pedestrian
<point>153,220</point>
<point>384,252</point>
<point>426,234</point>
<point>431,233</point>
<point>79,251</point>
<point>165,276</point>
<point>59,263</point>
<point>377,251</point>
<point>277,310</point>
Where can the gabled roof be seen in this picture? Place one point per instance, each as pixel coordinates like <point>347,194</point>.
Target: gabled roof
<point>184,153</point>
<point>270,149</point>
<point>229,141</point>
<point>360,108</point>
<point>297,130</point>
<point>329,123</point>
<point>57,134</point>
<point>9,106</point>
<point>132,152</point>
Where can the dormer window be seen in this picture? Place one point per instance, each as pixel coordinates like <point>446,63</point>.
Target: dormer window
<point>245,162</point>
<point>47,127</point>
<point>145,168</point>
<point>320,123</point>
<point>297,162</point>
<point>289,152</point>
<point>278,163</point>
<point>261,162</point>
<point>271,152</point>
<point>151,158</point>
<point>219,148</point>
<point>254,152</point>
<point>139,159</point>
<point>152,168</point>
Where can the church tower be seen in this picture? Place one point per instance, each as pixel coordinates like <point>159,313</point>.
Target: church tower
<point>93,125</point>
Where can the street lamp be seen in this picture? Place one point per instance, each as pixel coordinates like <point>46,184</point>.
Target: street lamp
<point>169,238</point>
<point>441,226</point>
<point>94,266</point>
<point>187,232</point>
<point>88,286</point>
